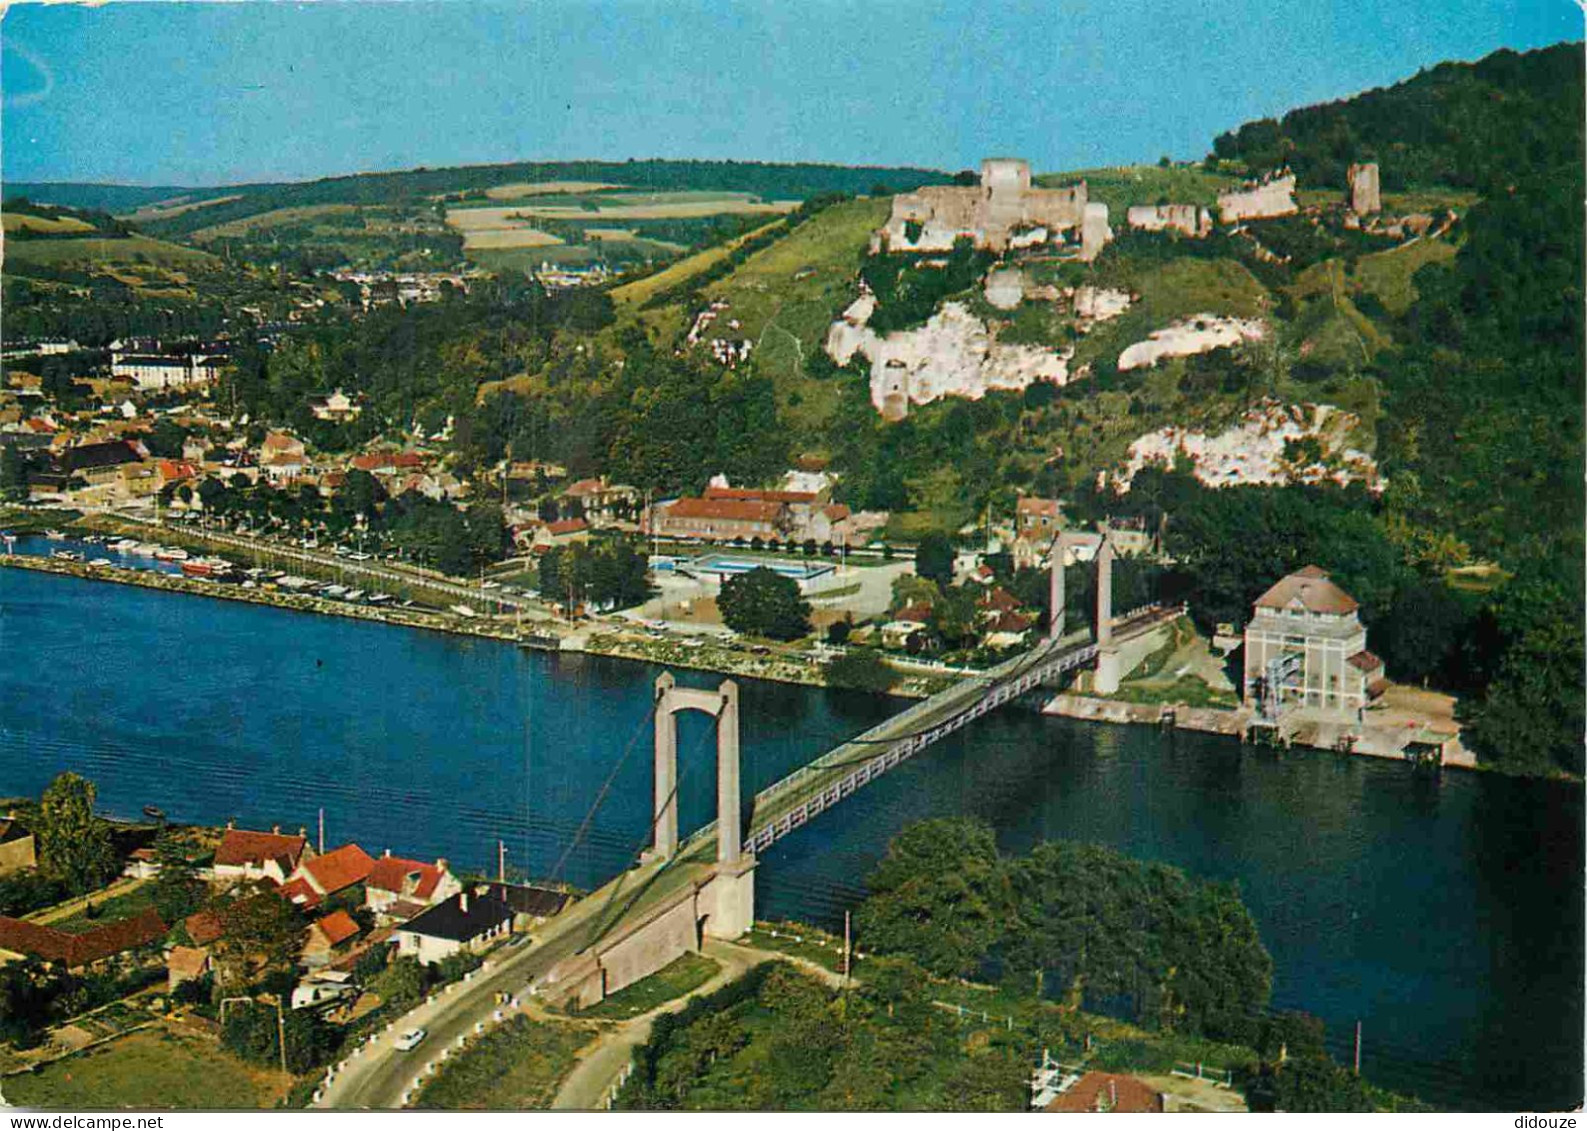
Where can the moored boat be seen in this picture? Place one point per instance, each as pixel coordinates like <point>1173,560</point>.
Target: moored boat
<point>170,554</point>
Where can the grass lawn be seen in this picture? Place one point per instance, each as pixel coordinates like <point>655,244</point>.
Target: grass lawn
<point>1387,274</point>
<point>799,941</point>
<point>684,974</point>
<point>1119,188</point>
<point>114,909</point>
<point>153,1068</point>
<point>515,1067</point>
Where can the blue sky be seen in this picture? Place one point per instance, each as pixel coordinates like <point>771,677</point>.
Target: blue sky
<point>192,94</point>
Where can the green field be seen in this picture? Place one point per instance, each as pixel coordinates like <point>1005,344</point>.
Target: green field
<point>515,1067</point>
<point>152,1068</point>
<point>672,981</point>
<point>118,251</point>
<point>112,910</point>
<point>1388,274</point>
<point>786,296</point>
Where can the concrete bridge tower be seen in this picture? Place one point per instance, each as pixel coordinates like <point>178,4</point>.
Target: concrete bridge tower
<point>728,900</point>
<point>1107,673</point>
<point>1055,588</point>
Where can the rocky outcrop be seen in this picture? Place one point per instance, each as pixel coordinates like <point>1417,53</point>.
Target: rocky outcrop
<point>1266,447</point>
<point>1200,334</point>
<point>954,354</point>
<point>1099,304</point>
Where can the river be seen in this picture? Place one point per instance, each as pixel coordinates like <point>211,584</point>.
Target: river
<point>1443,911</point>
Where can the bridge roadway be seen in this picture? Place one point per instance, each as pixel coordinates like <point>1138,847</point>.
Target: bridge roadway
<point>786,805</point>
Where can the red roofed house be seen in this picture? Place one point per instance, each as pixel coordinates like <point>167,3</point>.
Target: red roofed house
<point>326,934</point>
<point>77,952</point>
<point>246,855</point>
<point>562,533</point>
<point>723,519</point>
<point>1108,1091</point>
<point>320,876</point>
<point>175,471</point>
<point>184,964</point>
<point>1305,648</point>
<point>599,498</point>
<point>401,888</point>
<point>810,514</point>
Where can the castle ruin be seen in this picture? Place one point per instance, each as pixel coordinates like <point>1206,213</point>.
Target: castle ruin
<point>1000,213</point>
<point>1269,198</point>
<point>1184,218</point>
<point>1364,196</point>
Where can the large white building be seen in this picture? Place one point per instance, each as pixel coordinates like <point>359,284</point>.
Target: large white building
<point>156,372</point>
<point>1305,647</point>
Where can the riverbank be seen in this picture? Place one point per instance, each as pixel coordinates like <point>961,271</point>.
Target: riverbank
<point>1391,736</point>
<point>683,652</point>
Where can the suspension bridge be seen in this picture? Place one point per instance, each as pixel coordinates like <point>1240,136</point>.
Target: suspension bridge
<point>676,895</point>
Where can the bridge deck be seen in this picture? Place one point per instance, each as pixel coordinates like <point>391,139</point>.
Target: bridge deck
<point>791,802</point>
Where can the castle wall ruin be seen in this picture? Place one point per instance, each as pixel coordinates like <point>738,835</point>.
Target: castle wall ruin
<point>1184,218</point>
<point>1271,198</point>
<point>1365,198</point>
<point>1003,211</point>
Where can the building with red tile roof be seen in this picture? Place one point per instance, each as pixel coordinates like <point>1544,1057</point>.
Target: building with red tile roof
<point>1306,649</point>
<point>244,854</point>
<point>327,874</point>
<point>1108,1091</point>
<point>85,949</point>
<point>393,880</point>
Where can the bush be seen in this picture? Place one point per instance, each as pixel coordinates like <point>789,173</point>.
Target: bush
<point>860,669</point>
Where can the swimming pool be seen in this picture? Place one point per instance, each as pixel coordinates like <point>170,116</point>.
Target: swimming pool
<point>723,566</point>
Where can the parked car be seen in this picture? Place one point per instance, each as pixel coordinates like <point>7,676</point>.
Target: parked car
<point>409,1039</point>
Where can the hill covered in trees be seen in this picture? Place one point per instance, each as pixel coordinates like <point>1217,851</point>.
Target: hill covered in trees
<point>1466,124</point>
<point>765,179</point>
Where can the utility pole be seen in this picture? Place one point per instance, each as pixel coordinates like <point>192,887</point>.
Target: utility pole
<point>501,861</point>
<point>322,830</point>
<point>1358,1048</point>
<point>847,945</point>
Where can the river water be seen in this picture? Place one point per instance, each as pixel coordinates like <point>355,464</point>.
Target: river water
<point>1443,911</point>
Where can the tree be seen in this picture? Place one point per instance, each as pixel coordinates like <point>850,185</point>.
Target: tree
<point>13,473</point>
<point>940,895</point>
<point>764,603</point>
<point>178,892</point>
<point>934,559</point>
<point>1304,1083</point>
<point>74,845</point>
<point>264,936</point>
<point>860,669</point>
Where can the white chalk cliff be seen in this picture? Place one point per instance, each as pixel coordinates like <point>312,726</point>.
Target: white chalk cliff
<point>954,354</point>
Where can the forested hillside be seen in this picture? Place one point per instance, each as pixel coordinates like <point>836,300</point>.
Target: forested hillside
<point>1470,124</point>
<point>771,181</point>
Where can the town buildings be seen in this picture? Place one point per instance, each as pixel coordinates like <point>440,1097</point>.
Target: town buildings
<point>726,514</point>
<point>1305,648</point>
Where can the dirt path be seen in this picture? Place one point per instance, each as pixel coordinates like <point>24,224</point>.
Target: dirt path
<point>72,906</point>
<point>601,1062</point>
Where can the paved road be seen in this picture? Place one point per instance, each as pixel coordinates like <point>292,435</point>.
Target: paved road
<point>380,571</point>
<point>379,1074</point>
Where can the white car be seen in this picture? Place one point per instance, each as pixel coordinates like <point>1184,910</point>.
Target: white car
<point>409,1039</point>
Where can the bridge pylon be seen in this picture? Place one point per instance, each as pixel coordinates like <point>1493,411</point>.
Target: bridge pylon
<point>728,900</point>
<point>1055,588</point>
<point>1108,675</point>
